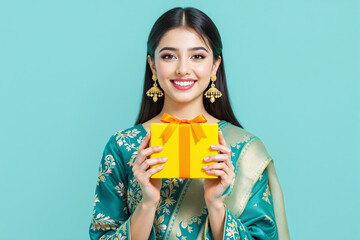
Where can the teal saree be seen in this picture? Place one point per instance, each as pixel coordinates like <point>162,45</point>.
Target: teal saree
<point>182,212</point>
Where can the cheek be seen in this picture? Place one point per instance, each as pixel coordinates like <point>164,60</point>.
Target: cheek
<point>203,70</point>
<point>164,69</point>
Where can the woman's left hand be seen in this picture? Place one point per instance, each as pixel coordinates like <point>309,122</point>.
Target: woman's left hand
<point>214,188</point>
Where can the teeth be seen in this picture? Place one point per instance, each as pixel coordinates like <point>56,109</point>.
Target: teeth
<point>181,83</point>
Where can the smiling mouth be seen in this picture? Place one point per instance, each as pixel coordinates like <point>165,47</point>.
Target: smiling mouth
<point>183,83</point>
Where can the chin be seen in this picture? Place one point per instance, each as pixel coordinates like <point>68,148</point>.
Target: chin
<point>184,100</point>
<point>187,99</point>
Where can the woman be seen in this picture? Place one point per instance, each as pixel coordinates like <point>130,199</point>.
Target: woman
<point>184,53</point>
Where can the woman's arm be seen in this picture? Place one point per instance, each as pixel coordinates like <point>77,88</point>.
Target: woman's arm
<point>141,221</point>
<point>279,206</point>
<point>111,216</point>
<point>216,213</point>
<point>143,217</point>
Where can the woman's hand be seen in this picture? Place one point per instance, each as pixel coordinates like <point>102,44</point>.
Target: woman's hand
<point>214,188</point>
<point>142,172</point>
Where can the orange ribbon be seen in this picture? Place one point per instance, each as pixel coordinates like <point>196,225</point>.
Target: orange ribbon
<point>174,122</point>
<point>184,138</point>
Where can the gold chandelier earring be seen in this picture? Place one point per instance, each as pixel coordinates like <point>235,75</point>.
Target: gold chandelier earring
<point>154,92</point>
<point>213,92</point>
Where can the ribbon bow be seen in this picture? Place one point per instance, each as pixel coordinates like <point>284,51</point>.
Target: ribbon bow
<point>174,123</point>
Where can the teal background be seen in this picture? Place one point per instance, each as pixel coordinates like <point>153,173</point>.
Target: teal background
<point>71,75</point>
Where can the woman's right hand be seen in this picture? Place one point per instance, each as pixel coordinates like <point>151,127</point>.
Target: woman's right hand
<point>142,172</point>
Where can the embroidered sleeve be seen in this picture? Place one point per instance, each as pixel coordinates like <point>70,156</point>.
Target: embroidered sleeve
<point>111,217</point>
<point>258,218</point>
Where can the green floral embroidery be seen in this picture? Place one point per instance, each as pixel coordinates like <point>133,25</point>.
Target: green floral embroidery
<point>121,190</point>
<point>169,187</point>
<point>100,221</point>
<point>96,200</point>
<point>231,230</point>
<point>134,194</point>
<point>106,168</point>
<point>188,223</point>
<point>125,138</point>
<point>167,194</point>
<point>159,225</point>
<point>266,195</point>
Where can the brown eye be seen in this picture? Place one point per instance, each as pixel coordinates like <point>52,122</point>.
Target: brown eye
<point>167,56</point>
<point>199,56</point>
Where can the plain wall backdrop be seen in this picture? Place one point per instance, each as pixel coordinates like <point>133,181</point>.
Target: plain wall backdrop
<point>71,75</point>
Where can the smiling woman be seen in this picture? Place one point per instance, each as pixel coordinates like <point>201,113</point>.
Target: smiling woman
<point>183,63</point>
<point>245,200</point>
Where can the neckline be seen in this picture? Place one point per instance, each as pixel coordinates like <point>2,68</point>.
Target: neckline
<point>220,123</point>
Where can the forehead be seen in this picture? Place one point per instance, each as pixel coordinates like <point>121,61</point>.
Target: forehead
<point>182,38</point>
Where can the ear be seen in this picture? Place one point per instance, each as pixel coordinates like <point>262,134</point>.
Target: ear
<point>216,66</point>
<point>151,64</point>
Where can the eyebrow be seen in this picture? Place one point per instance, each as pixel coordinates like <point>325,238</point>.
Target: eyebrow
<point>176,49</point>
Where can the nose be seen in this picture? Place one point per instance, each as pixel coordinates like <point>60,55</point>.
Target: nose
<point>183,67</point>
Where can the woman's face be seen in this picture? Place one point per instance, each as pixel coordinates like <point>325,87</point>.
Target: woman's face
<point>183,64</point>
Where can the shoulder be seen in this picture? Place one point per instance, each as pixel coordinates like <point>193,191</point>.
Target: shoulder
<point>244,144</point>
<point>235,135</point>
<point>235,130</point>
<point>127,139</point>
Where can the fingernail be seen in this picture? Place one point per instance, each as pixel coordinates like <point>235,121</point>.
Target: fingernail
<point>207,158</point>
<point>165,159</point>
<point>205,167</point>
<point>159,147</point>
<point>212,146</point>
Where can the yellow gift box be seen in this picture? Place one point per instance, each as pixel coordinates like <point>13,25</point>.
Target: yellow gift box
<point>185,143</point>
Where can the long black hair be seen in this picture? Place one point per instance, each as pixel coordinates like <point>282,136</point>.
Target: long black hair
<point>202,24</point>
